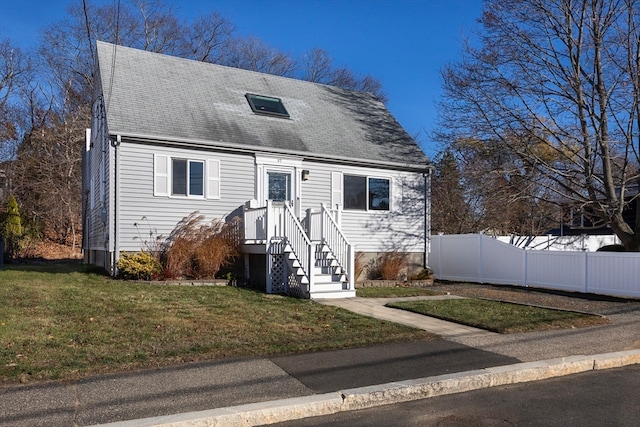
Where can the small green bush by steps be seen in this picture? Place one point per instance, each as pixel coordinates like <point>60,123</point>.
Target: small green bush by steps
<point>138,266</point>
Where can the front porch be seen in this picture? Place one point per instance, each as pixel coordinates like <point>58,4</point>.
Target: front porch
<point>307,258</point>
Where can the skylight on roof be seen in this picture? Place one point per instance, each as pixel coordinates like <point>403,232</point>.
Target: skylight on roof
<point>267,105</point>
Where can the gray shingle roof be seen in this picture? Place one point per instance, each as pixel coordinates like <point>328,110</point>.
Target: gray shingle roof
<point>160,96</point>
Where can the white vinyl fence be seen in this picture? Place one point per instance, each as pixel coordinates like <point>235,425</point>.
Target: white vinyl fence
<point>483,259</point>
<point>561,243</point>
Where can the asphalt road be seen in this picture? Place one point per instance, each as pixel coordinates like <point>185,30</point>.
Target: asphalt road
<point>594,398</point>
<point>202,386</point>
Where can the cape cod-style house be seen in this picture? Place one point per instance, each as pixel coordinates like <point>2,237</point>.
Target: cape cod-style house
<point>316,173</point>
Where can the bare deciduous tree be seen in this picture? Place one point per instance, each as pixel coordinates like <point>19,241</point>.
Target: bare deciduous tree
<point>14,71</point>
<point>46,172</point>
<point>208,38</point>
<point>253,54</point>
<point>502,195</point>
<point>346,79</point>
<point>557,84</point>
<point>317,67</point>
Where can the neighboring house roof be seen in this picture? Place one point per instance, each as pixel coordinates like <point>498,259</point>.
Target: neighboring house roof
<point>160,97</point>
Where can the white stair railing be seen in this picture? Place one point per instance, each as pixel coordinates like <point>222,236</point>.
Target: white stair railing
<point>300,244</point>
<point>274,225</point>
<point>337,242</point>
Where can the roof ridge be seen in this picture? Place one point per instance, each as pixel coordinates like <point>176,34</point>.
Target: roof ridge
<point>275,76</point>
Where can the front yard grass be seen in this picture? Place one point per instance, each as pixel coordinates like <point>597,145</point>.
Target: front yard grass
<point>499,316</point>
<point>395,292</point>
<point>61,321</point>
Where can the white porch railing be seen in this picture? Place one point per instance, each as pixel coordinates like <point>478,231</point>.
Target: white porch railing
<point>255,224</point>
<point>314,220</point>
<point>299,242</point>
<point>264,224</point>
<point>331,235</point>
<point>261,224</point>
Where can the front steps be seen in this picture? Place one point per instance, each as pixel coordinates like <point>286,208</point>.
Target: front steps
<point>329,279</point>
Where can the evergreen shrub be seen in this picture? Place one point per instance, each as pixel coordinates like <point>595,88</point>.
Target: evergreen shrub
<point>12,230</point>
<point>139,266</point>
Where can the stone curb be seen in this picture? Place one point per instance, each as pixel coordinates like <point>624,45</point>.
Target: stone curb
<point>402,391</point>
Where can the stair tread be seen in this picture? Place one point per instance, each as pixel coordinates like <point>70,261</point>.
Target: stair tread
<point>333,294</point>
<point>328,276</point>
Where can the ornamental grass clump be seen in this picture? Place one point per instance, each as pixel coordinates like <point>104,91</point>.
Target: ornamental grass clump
<point>199,250</point>
<point>388,266</point>
<point>358,264</point>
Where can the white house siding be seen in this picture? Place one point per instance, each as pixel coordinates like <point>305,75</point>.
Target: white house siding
<point>160,214</point>
<point>401,228</point>
<point>317,189</point>
<point>141,213</point>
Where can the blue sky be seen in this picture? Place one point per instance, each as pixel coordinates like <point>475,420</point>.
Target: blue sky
<point>403,43</point>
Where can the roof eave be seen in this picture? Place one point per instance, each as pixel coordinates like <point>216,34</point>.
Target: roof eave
<point>227,146</point>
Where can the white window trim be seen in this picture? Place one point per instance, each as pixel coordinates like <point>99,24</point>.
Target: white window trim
<point>163,177</point>
<point>337,189</point>
<point>212,179</point>
<point>189,160</point>
<point>265,164</point>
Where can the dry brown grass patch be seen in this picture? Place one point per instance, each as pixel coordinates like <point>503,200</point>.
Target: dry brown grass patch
<point>199,250</point>
<point>388,266</point>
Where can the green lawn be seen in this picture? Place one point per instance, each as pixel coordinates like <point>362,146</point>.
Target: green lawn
<point>64,322</point>
<point>498,316</point>
<point>394,292</point>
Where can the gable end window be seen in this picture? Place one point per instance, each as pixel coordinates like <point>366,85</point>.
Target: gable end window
<point>366,193</point>
<point>267,105</point>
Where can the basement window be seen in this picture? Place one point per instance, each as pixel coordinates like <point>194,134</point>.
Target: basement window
<point>267,105</point>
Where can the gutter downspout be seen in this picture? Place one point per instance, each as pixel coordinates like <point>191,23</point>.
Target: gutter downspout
<point>86,193</point>
<point>116,204</point>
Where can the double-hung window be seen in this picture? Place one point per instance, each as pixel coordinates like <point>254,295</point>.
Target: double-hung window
<point>182,177</point>
<point>366,193</point>
<point>187,178</point>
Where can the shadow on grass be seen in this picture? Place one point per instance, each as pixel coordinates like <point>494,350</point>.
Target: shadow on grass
<point>63,266</point>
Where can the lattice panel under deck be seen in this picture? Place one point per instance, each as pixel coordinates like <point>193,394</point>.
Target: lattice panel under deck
<point>283,279</point>
<point>278,274</point>
<point>295,288</point>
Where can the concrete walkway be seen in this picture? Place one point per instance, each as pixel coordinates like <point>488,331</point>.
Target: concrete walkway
<point>375,307</point>
<point>621,334</point>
